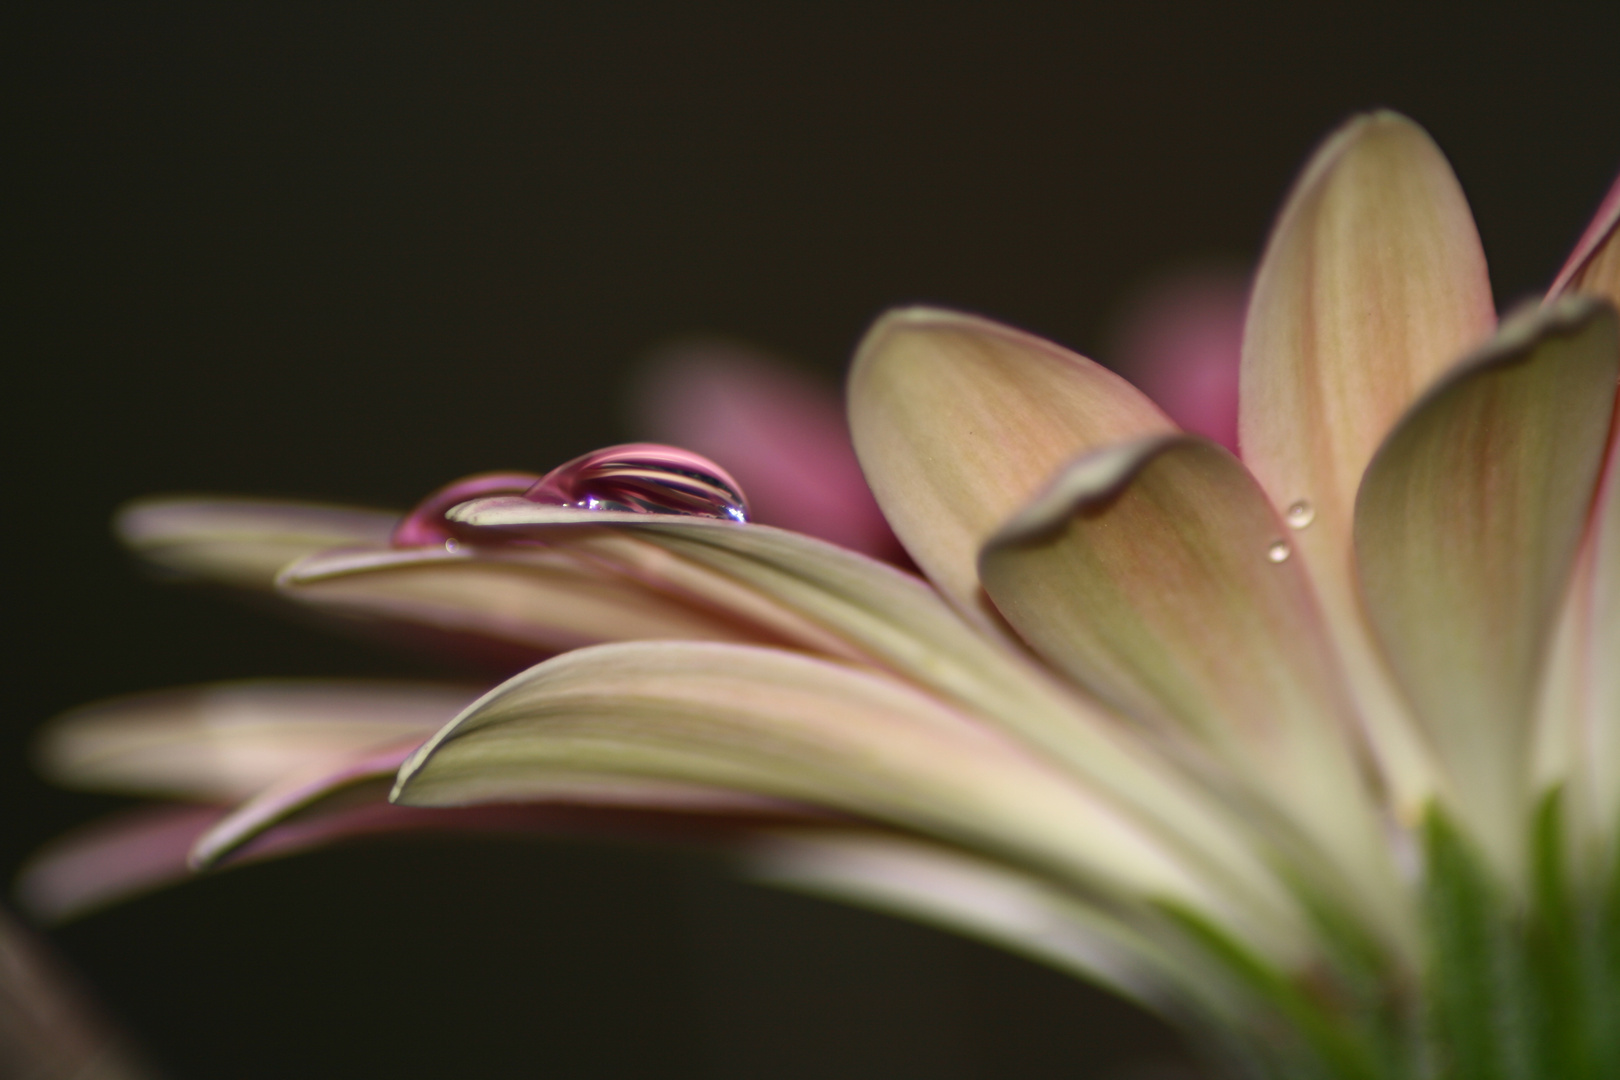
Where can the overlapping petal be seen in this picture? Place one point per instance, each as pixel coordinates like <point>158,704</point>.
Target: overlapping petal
<point>796,727</point>
<point>1372,284</point>
<point>1157,574</point>
<point>1466,531</point>
<point>958,421</point>
<point>888,618</point>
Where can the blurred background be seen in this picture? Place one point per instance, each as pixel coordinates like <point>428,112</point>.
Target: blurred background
<point>349,252</point>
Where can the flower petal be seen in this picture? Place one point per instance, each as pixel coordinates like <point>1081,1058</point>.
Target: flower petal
<point>548,599</point>
<point>230,740</point>
<point>958,421</point>
<point>334,791</point>
<point>780,433</point>
<point>1594,265</point>
<point>1373,283</point>
<point>1466,530</point>
<point>242,542</point>
<point>111,860</point>
<point>1157,574</point>
<point>959,892</point>
<point>795,727</point>
<point>889,618</point>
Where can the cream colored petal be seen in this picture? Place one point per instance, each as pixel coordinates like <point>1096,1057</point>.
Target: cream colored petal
<point>1157,574</point>
<point>242,542</point>
<point>969,895</point>
<point>1594,265</point>
<point>790,726</point>
<point>1373,283</point>
<point>958,421</point>
<point>549,599</point>
<point>1467,528</point>
<point>332,791</point>
<point>228,741</point>
<point>890,619</point>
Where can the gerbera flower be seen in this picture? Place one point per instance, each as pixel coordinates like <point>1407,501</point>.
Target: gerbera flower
<point>1316,750</point>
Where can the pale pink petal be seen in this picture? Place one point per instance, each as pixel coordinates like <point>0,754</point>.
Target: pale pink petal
<point>1594,265</point>
<point>781,433</point>
<point>1180,341</point>
<point>112,860</point>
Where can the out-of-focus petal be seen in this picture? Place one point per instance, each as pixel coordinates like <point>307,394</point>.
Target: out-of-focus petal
<point>958,421</point>
<point>795,727</point>
<point>111,860</point>
<point>1467,528</point>
<point>1180,341</point>
<point>1157,574</point>
<point>1373,283</point>
<point>780,433</point>
<point>48,1030</point>
<point>228,741</point>
<point>1594,265</point>
<point>242,542</point>
<point>889,618</point>
<point>957,891</point>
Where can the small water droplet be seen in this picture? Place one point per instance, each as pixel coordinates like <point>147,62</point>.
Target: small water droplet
<point>425,526</point>
<point>1279,551</point>
<point>643,478</point>
<point>452,545</point>
<point>1300,513</point>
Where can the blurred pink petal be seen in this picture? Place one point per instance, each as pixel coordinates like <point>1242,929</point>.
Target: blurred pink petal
<point>1180,341</point>
<point>47,1027</point>
<point>1602,225</point>
<point>112,859</point>
<point>779,432</point>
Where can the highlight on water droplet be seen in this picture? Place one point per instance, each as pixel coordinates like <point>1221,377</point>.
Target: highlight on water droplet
<point>643,478</point>
<point>425,525</point>
<point>1299,514</point>
<point>1279,551</point>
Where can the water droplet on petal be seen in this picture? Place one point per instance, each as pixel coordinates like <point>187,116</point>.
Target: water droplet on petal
<point>452,545</point>
<point>1299,514</point>
<point>643,478</point>
<point>425,526</point>
<point>1279,551</point>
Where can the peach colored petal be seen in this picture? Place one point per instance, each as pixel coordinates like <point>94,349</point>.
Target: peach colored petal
<point>780,433</point>
<point>1373,283</point>
<point>958,421</point>
<point>1467,529</point>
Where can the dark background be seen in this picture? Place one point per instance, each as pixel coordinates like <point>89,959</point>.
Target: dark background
<point>352,251</point>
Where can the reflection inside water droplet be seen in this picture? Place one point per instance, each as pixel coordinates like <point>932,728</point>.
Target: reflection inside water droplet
<point>643,478</point>
<point>1279,551</point>
<point>1300,513</point>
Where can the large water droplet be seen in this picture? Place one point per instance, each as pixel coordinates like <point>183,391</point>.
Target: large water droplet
<point>425,526</point>
<point>1299,514</point>
<point>1279,551</point>
<point>643,478</point>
